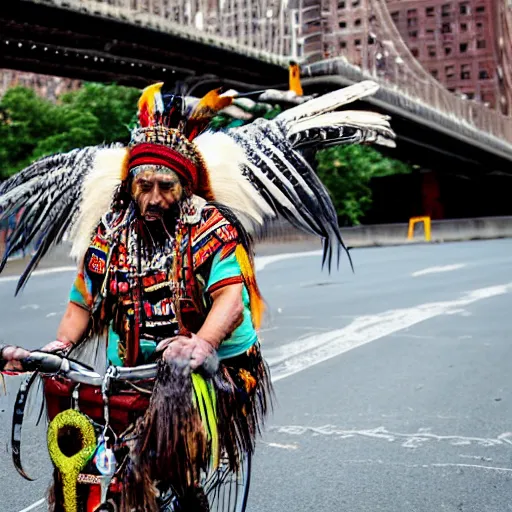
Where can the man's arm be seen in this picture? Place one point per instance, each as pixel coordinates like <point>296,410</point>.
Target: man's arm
<point>225,315</point>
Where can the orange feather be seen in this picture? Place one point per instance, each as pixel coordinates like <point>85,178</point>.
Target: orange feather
<point>207,107</point>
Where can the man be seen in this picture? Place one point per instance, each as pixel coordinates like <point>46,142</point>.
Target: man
<point>166,267</point>
<point>162,277</point>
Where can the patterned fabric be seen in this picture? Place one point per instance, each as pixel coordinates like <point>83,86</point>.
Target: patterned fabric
<point>111,270</point>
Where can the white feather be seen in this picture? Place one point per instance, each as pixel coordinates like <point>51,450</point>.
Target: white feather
<point>225,160</point>
<point>353,118</point>
<point>330,101</point>
<point>98,191</point>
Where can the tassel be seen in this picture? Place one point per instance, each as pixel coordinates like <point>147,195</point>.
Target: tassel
<point>256,300</point>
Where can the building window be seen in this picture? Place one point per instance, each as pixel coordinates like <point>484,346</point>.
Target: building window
<point>434,73</point>
<point>357,43</point>
<point>430,12</point>
<point>447,50</point>
<point>343,24</point>
<point>483,74</point>
<point>465,72</point>
<point>341,5</point>
<point>446,10</point>
<point>412,22</point>
<point>431,51</point>
<point>430,33</point>
<point>481,44</point>
<point>480,8</point>
<point>463,47</point>
<point>446,28</point>
<point>464,8</point>
<point>395,16</point>
<point>479,26</point>
<point>449,71</point>
<point>412,13</point>
<point>463,27</point>
<point>470,95</point>
<point>356,3</point>
<point>343,44</point>
<point>413,34</point>
<point>357,23</point>
<point>415,52</point>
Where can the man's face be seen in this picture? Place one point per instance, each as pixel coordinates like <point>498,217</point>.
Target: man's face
<point>156,192</point>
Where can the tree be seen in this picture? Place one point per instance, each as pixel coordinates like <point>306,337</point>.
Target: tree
<point>347,171</point>
<point>32,127</point>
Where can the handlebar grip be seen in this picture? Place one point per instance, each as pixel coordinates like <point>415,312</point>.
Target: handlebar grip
<point>42,361</point>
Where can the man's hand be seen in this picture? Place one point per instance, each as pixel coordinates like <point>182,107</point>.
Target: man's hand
<point>13,355</point>
<point>57,346</point>
<point>193,349</point>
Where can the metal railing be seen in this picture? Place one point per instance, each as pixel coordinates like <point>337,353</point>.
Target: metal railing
<point>260,29</point>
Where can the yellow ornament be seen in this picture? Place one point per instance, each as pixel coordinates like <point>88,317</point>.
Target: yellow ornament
<point>70,467</point>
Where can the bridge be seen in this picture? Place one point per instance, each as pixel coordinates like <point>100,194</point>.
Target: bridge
<point>248,45</point>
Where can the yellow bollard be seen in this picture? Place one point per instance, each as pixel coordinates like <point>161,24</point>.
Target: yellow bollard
<point>426,223</point>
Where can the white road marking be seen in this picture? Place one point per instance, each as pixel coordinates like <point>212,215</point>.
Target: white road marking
<point>414,440</point>
<point>436,270</point>
<point>297,356</point>
<point>282,446</point>
<point>44,272</point>
<point>262,261</point>
<point>471,466</point>
<point>34,505</point>
<point>30,306</point>
<point>424,466</point>
<point>476,457</point>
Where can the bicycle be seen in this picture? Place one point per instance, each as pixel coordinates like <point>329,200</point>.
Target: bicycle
<point>97,408</point>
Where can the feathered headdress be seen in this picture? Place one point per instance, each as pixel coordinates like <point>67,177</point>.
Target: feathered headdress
<point>256,169</point>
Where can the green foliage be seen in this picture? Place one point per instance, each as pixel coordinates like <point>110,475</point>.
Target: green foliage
<point>346,171</point>
<point>32,127</point>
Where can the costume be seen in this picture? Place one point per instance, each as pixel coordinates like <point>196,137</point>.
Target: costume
<point>140,288</point>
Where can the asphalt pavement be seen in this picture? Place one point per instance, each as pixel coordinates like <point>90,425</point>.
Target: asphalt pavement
<point>393,383</point>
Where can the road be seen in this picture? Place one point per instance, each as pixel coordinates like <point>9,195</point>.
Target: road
<point>393,383</point>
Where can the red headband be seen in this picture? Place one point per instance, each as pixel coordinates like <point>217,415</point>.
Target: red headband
<point>157,154</point>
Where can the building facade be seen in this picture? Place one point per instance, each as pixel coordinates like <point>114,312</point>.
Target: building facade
<point>464,44</point>
<point>503,32</point>
<point>49,87</point>
<point>455,41</point>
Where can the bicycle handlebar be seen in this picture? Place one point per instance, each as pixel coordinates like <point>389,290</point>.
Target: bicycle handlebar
<point>53,364</point>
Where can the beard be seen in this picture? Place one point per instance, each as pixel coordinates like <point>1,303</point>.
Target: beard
<point>161,227</point>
